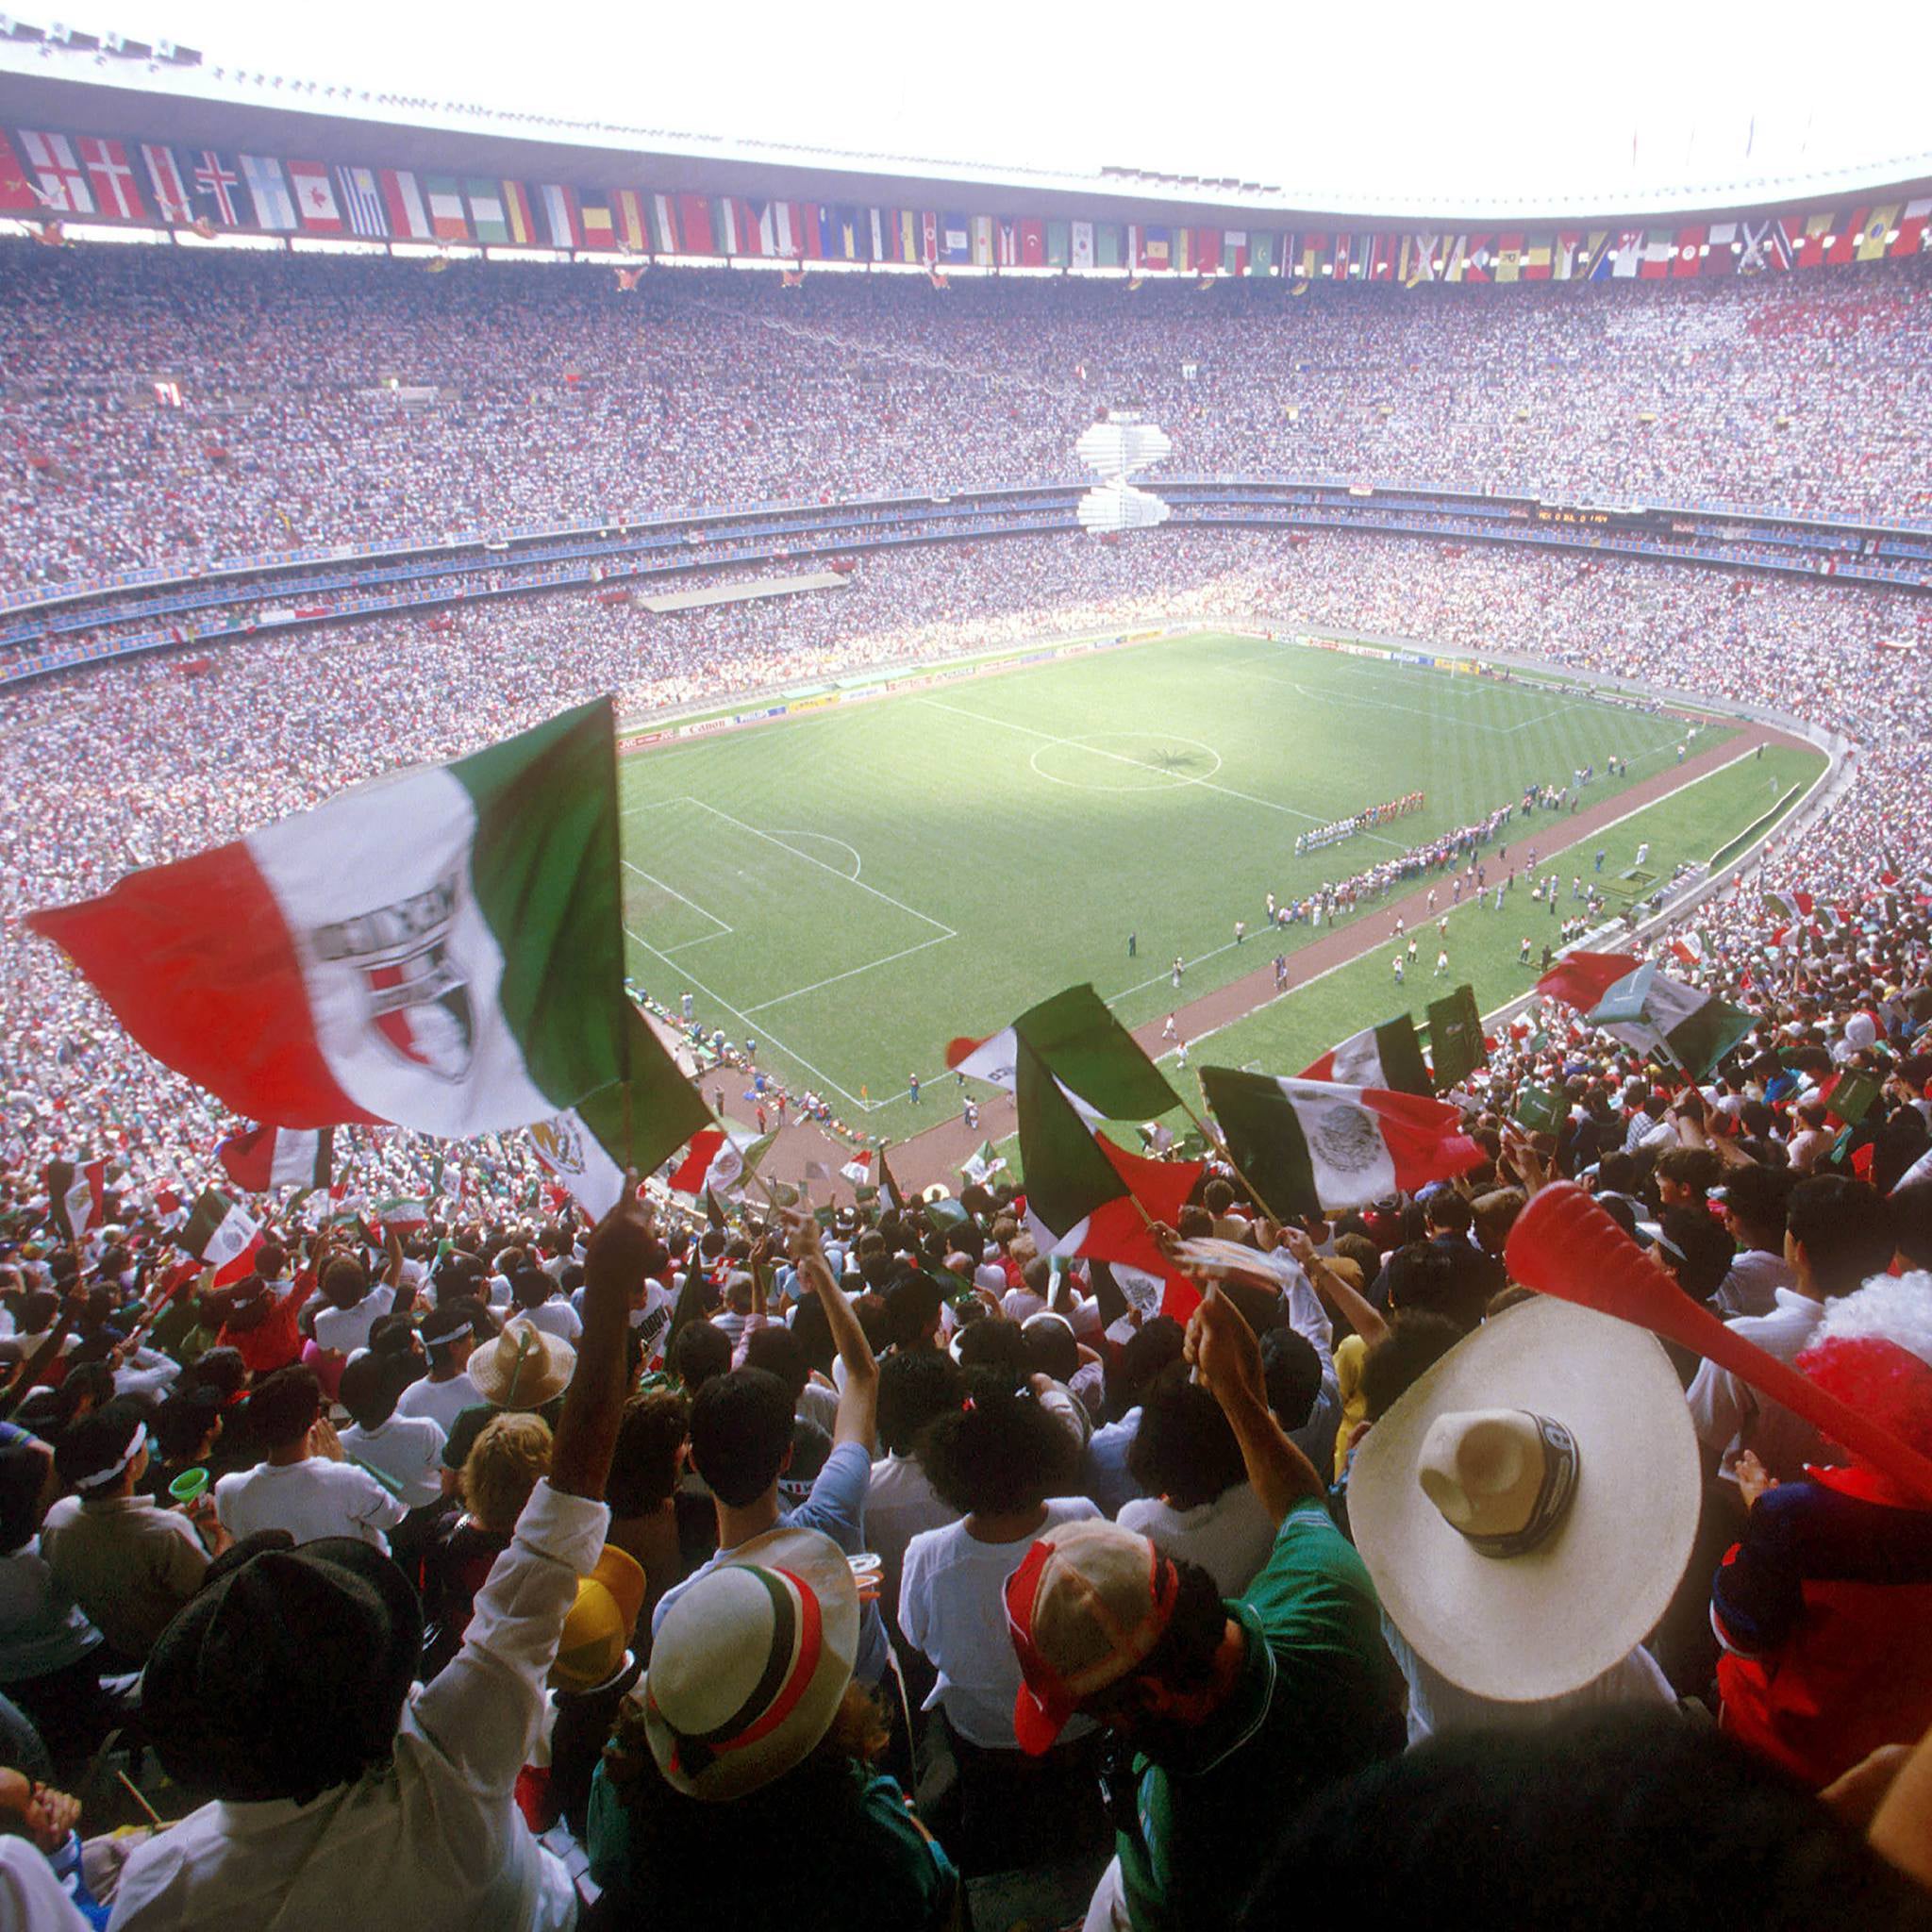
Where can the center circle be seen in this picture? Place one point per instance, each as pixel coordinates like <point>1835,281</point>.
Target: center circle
<point>1136,760</point>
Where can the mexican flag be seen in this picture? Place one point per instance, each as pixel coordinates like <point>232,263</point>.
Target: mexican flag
<point>714,1164</point>
<point>639,1120</point>
<point>1656,1014</point>
<point>1388,1056</point>
<point>1081,1043</point>
<point>221,1236</point>
<point>77,1195</point>
<point>1689,948</point>
<point>1456,1038</point>
<point>891,1196</point>
<point>1085,1195</point>
<point>259,1158</point>
<point>441,948</point>
<point>1581,979</point>
<point>398,1211</point>
<point>858,1169</point>
<point>1305,1145</point>
<point>983,1163</point>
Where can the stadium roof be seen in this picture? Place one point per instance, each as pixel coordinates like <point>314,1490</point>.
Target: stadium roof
<point>61,77</point>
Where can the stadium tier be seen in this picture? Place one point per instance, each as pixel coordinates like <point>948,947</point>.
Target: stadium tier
<point>484,723</point>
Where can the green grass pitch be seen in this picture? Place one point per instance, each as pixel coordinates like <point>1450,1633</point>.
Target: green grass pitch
<point>853,887</point>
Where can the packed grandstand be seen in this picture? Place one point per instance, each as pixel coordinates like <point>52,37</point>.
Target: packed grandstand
<point>365,1559</point>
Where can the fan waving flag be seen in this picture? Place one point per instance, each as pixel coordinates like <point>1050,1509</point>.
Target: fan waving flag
<point>443,949</point>
<point>259,1158</point>
<point>1659,1015</point>
<point>1081,1043</point>
<point>77,1195</point>
<point>858,1169</point>
<point>1304,1145</point>
<point>891,1196</point>
<point>1085,1195</point>
<point>1456,1038</point>
<point>1388,1056</point>
<point>219,1235</point>
<point>1581,979</point>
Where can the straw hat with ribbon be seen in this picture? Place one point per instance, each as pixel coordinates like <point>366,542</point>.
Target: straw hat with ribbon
<point>1528,1505</point>
<point>522,1368</point>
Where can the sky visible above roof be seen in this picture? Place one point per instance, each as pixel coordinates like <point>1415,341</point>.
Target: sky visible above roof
<point>1344,105</point>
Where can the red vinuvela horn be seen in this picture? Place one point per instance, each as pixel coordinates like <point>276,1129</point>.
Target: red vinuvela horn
<point>1564,1245</point>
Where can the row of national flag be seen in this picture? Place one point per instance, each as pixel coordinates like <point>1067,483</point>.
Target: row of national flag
<point>62,175</point>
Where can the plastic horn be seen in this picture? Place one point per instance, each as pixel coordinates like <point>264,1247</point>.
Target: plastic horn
<point>1564,1245</point>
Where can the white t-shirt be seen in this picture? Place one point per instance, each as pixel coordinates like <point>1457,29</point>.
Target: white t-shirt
<point>310,1499</point>
<point>345,1330</point>
<point>950,1607</point>
<point>556,1318</point>
<point>409,1448</point>
<point>1229,1537</point>
<point>442,1402</point>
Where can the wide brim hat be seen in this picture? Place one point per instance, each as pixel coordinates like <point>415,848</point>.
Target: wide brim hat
<point>1522,1628</point>
<point>522,1368</point>
<point>750,1665</point>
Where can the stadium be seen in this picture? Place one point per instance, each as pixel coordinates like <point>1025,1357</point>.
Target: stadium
<point>1092,774</point>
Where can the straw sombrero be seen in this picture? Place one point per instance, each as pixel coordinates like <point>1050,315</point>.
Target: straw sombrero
<point>1559,1440</point>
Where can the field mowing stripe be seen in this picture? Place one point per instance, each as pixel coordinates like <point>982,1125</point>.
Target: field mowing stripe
<point>844,878</point>
<point>850,973</point>
<point>1140,764</point>
<point>723,929</point>
<point>818,1072</point>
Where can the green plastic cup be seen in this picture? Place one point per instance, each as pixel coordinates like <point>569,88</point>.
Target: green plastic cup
<point>187,1485</point>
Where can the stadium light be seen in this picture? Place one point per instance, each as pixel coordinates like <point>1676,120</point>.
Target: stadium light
<point>91,231</point>
<point>261,244</point>
<point>525,254</point>
<point>331,244</point>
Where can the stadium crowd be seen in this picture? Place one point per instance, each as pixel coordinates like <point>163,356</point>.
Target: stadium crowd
<point>331,402</point>
<point>492,1570</point>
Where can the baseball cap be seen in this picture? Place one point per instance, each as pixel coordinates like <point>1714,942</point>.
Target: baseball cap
<point>1085,1607</point>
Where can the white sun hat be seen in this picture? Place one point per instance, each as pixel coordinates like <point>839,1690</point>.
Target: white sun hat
<point>1528,1505</point>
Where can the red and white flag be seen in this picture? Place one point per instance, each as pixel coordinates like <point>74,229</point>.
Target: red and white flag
<point>77,1195</point>
<point>315,198</point>
<point>259,1158</point>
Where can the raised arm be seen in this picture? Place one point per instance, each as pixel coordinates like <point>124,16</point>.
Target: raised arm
<point>859,1400</point>
<point>593,1404</point>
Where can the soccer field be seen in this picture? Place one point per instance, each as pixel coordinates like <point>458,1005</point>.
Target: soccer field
<point>853,887</point>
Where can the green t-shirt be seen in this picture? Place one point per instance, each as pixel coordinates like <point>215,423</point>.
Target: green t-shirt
<point>1318,1697</point>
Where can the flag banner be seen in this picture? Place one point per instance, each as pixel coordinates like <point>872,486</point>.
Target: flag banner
<point>945,1214</point>
<point>1689,948</point>
<point>639,1120</point>
<point>982,1164</point>
<point>1084,1048</point>
<point>361,202</point>
<point>1455,1037</point>
<point>221,1236</point>
<point>890,1194</point>
<point>77,1195</point>
<point>112,177</point>
<point>1849,1096</point>
<point>1539,1109</point>
<point>1305,1145</point>
<point>1085,1195</point>
<point>259,1158</point>
<point>442,949</point>
<point>1656,1014</point>
<point>315,198</point>
<point>1388,1056</point>
<point>274,207</point>
<point>688,1175</point>
<point>1581,979</point>
<point>52,162</point>
<point>398,1211</point>
<point>858,1169</point>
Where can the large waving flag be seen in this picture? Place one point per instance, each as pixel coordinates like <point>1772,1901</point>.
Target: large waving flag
<point>442,949</point>
<point>637,1120</point>
<point>1388,1056</point>
<point>1085,1195</point>
<point>259,1158</point>
<point>1581,979</point>
<point>221,1236</point>
<point>77,1195</point>
<point>1456,1038</point>
<point>1663,1017</point>
<point>1304,1145</point>
<point>1080,1043</point>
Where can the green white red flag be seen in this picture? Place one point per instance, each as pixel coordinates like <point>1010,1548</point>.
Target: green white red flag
<point>1305,1145</point>
<point>1581,979</point>
<point>1661,1016</point>
<point>1077,1039</point>
<point>1389,1055</point>
<point>442,949</point>
<point>259,1158</point>
<point>221,1236</point>
<point>77,1196</point>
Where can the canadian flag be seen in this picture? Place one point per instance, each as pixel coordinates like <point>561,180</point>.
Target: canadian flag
<point>315,200</point>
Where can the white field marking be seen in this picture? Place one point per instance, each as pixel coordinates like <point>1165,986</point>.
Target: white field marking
<point>1468,904</point>
<point>701,939</point>
<point>1121,758</point>
<point>764,1032</point>
<point>923,918</point>
<point>850,973</point>
<point>857,863</point>
<point>654,805</point>
<point>723,927</point>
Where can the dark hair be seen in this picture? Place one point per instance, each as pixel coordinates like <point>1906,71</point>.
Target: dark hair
<point>775,1350</point>
<point>343,1282</point>
<point>1757,1196</point>
<point>1050,1349</point>
<point>283,1407</point>
<point>1911,1209</point>
<point>912,1305</point>
<point>740,1427</point>
<point>643,1469</point>
<point>183,1420</point>
<point>530,1288</point>
<point>1002,1454</point>
<point>1593,1823</point>
<point>23,1478</point>
<point>994,1348</point>
<point>812,1328</point>
<point>1184,1449</point>
<point>698,1354</point>
<point>1450,1211</point>
<point>1446,1278</point>
<point>1415,1342</point>
<point>915,1386</point>
<point>1705,1249</point>
<point>220,1369</point>
<point>370,1384</point>
<point>1291,1371</point>
<point>98,1440</point>
<point>1845,1227</point>
<point>1145,1353</point>
<point>1696,1168</point>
